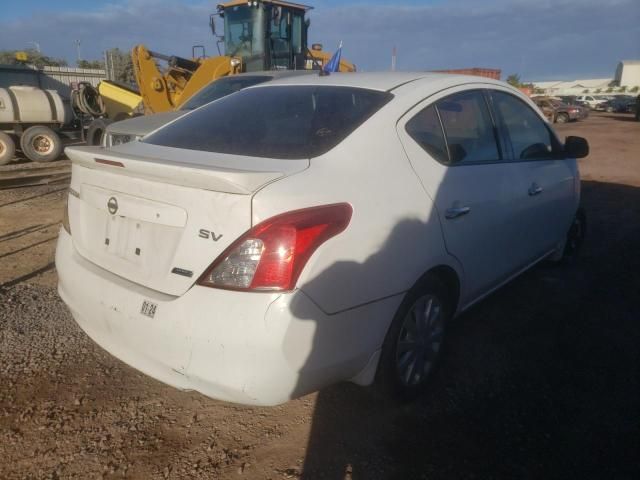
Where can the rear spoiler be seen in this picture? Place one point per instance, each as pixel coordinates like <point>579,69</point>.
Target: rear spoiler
<point>203,170</point>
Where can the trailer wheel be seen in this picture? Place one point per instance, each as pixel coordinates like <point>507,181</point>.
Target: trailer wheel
<point>41,144</point>
<point>7,148</point>
<point>96,131</point>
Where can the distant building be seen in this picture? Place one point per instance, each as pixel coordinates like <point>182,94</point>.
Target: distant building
<point>574,87</point>
<point>628,73</point>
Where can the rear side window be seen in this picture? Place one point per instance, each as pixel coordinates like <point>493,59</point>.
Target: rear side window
<point>289,122</point>
<point>530,138</point>
<point>426,130</point>
<point>468,128</point>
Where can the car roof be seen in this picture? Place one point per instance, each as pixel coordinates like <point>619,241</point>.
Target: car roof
<point>270,73</point>
<point>383,81</point>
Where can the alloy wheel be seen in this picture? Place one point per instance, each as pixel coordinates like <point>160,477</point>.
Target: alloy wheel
<point>420,340</point>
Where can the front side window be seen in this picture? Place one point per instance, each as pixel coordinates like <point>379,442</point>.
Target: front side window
<point>530,138</point>
<point>468,128</point>
<point>289,122</point>
<point>244,31</point>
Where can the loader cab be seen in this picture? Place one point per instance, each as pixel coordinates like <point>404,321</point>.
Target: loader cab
<point>265,34</point>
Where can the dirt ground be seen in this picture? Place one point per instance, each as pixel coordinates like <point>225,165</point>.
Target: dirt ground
<point>541,380</point>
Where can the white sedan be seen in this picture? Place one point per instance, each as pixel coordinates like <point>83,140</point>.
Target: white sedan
<point>313,230</point>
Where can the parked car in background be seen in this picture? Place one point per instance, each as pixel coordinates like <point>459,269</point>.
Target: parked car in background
<point>591,100</point>
<point>620,104</point>
<point>313,229</point>
<point>568,99</point>
<point>135,128</point>
<point>559,112</point>
<point>638,108</point>
<point>572,100</point>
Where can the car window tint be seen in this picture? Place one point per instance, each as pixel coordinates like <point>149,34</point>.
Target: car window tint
<point>529,135</point>
<point>286,122</point>
<point>468,128</point>
<point>426,130</point>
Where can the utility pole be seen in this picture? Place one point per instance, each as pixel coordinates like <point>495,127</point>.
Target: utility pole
<point>393,59</point>
<point>106,66</point>
<point>113,72</point>
<point>78,49</point>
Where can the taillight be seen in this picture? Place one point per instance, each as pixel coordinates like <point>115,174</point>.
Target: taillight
<point>272,254</point>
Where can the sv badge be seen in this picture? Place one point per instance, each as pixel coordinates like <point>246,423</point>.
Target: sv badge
<point>207,234</point>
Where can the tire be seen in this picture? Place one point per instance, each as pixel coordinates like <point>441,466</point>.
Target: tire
<point>412,350</point>
<point>41,144</point>
<point>562,118</point>
<point>96,131</point>
<point>7,148</point>
<point>575,236</point>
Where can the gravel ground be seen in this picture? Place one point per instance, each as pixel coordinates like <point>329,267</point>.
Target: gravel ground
<point>70,410</point>
<point>541,380</point>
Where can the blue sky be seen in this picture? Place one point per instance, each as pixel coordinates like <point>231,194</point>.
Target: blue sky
<point>539,39</point>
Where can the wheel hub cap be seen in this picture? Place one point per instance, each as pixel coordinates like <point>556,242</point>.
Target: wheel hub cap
<point>42,144</point>
<point>420,340</point>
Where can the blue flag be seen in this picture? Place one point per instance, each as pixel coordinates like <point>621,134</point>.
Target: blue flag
<point>333,65</point>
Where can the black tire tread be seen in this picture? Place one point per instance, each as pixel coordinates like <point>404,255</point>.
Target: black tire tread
<point>29,151</point>
<point>96,130</point>
<point>9,149</point>
<point>386,378</point>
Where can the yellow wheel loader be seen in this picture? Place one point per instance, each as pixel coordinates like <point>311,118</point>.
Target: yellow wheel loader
<point>258,35</point>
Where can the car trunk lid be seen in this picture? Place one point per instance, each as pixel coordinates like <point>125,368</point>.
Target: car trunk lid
<point>159,216</point>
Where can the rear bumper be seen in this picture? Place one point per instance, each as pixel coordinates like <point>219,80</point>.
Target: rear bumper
<point>249,348</point>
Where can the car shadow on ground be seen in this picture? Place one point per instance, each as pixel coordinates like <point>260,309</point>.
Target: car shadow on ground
<point>540,380</point>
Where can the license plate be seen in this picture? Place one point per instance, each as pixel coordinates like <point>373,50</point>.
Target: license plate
<point>148,309</point>
<point>125,238</point>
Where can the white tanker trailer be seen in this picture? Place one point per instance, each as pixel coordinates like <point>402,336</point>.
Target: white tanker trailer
<point>32,118</point>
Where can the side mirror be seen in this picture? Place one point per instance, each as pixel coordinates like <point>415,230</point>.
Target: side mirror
<point>576,147</point>
<point>212,23</point>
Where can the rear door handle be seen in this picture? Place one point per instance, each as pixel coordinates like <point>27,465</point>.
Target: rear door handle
<point>535,189</point>
<point>456,212</point>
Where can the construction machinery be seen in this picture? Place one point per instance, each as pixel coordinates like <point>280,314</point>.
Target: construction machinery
<point>258,35</point>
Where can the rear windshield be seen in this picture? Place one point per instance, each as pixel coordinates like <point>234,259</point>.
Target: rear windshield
<point>290,122</point>
<point>221,88</point>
